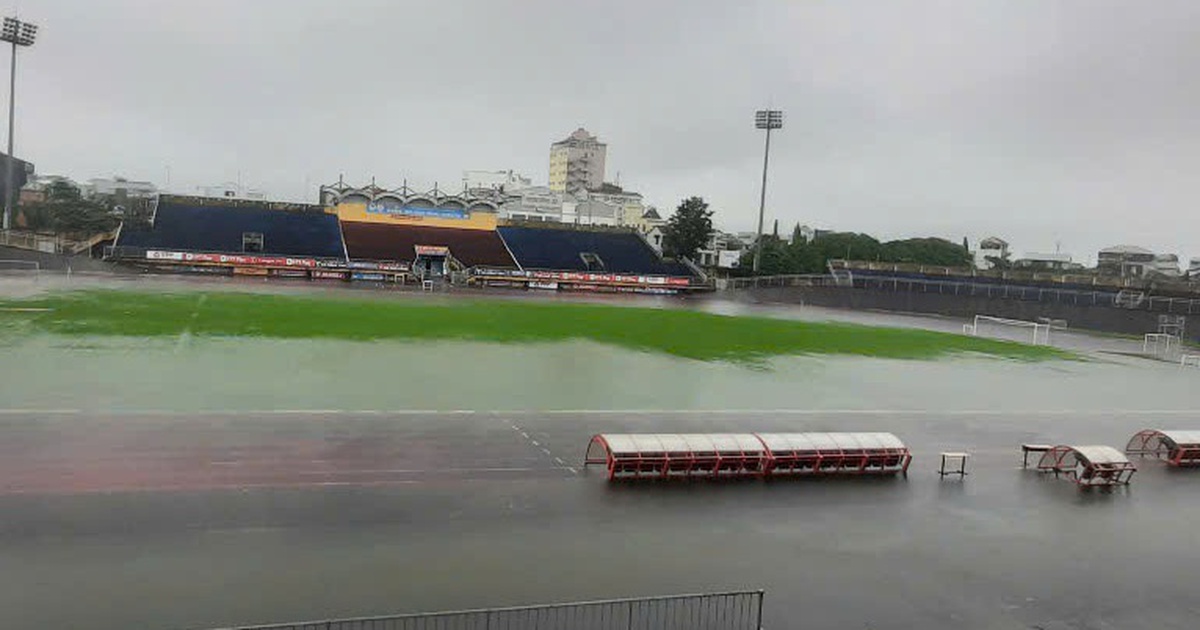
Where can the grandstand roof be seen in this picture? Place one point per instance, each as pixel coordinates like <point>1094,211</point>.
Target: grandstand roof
<point>195,227</point>
<point>376,241</point>
<point>561,250</point>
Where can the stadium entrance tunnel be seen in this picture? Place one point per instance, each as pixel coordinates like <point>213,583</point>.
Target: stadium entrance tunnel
<point>1088,465</point>
<point>1177,448</point>
<point>740,455</point>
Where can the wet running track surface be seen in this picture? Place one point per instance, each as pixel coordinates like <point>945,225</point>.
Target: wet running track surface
<point>191,520</point>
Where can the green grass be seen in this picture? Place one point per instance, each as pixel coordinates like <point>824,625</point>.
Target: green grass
<point>680,333</point>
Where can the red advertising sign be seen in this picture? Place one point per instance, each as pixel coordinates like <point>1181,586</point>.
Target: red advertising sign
<point>582,277</point>
<point>431,250</point>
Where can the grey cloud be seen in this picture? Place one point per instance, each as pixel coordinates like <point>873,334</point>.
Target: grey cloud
<point>1036,120</point>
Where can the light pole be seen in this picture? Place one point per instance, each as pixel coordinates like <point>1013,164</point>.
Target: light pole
<point>764,119</point>
<point>17,33</point>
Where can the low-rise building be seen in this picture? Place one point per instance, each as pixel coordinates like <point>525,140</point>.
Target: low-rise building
<point>232,190</point>
<point>1046,262</point>
<point>503,182</point>
<point>589,212</point>
<point>1126,261</point>
<point>724,250</point>
<point>1167,265</point>
<point>532,203</point>
<point>119,187</point>
<point>630,208</point>
<point>990,252</point>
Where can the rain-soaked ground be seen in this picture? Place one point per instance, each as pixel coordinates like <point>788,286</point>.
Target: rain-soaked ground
<point>185,483</point>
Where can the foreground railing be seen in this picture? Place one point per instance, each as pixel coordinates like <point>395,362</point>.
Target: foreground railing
<point>736,610</point>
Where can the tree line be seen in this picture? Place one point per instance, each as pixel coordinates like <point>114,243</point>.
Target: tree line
<point>810,256</point>
<point>690,228</point>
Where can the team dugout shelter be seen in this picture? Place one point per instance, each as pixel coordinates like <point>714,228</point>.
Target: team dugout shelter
<point>733,455</point>
<point>1175,447</point>
<point>1091,465</point>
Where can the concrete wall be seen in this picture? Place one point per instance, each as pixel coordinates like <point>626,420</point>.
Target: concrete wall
<point>1082,316</point>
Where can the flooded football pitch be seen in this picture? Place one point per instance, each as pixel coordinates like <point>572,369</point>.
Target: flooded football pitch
<point>481,499</point>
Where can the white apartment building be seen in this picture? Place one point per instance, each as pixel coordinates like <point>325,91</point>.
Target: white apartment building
<point>577,162</point>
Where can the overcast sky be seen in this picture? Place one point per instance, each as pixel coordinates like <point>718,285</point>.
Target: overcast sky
<point>1035,120</point>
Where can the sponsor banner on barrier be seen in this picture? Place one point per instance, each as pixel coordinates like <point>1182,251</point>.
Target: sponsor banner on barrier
<point>398,209</point>
<point>289,273</point>
<point>582,277</point>
<point>549,286</point>
<point>367,275</point>
<point>432,250</point>
<point>328,275</point>
<point>598,288</point>
<point>199,269</point>
<point>331,264</point>
<point>231,259</point>
<point>373,265</point>
<point>249,271</point>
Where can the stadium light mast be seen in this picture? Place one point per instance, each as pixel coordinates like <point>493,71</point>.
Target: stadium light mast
<point>17,33</point>
<point>764,119</point>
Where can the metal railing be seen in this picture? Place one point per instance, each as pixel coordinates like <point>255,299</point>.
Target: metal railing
<point>1079,297</point>
<point>49,243</point>
<point>735,610</point>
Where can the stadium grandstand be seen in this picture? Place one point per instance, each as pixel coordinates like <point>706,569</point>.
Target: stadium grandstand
<point>427,251</point>
<point>438,235</point>
<point>223,236</point>
<point>587,260</point>
<point>579,250</point>
<point>376,234</point>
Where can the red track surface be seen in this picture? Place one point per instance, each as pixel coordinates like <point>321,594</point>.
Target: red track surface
<point>183,455</point>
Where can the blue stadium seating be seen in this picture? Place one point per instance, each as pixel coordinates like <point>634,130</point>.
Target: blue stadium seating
<point>561,250</point>
<point>219,229</point>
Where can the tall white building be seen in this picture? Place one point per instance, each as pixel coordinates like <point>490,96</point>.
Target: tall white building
<point>494,181</point>
<point>577,162</point>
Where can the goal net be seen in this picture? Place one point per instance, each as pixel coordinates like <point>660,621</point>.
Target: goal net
<point>1036,333</point>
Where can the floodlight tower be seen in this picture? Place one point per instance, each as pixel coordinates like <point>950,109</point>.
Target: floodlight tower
<point>764,119</point>
<point>17,33</point>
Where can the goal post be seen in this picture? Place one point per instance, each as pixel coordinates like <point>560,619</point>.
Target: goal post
<point>1035,333</point>
<point>20,267</point>
<point>1161,344</point>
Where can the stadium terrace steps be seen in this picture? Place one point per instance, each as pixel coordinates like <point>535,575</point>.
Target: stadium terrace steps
<point>561,250</point>
<point>216,228</point>
<point>372,241</point>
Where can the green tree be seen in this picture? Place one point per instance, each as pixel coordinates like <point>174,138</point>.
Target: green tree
<point>925,251</point>
<point>65,211</point>
<point>689,229</point>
